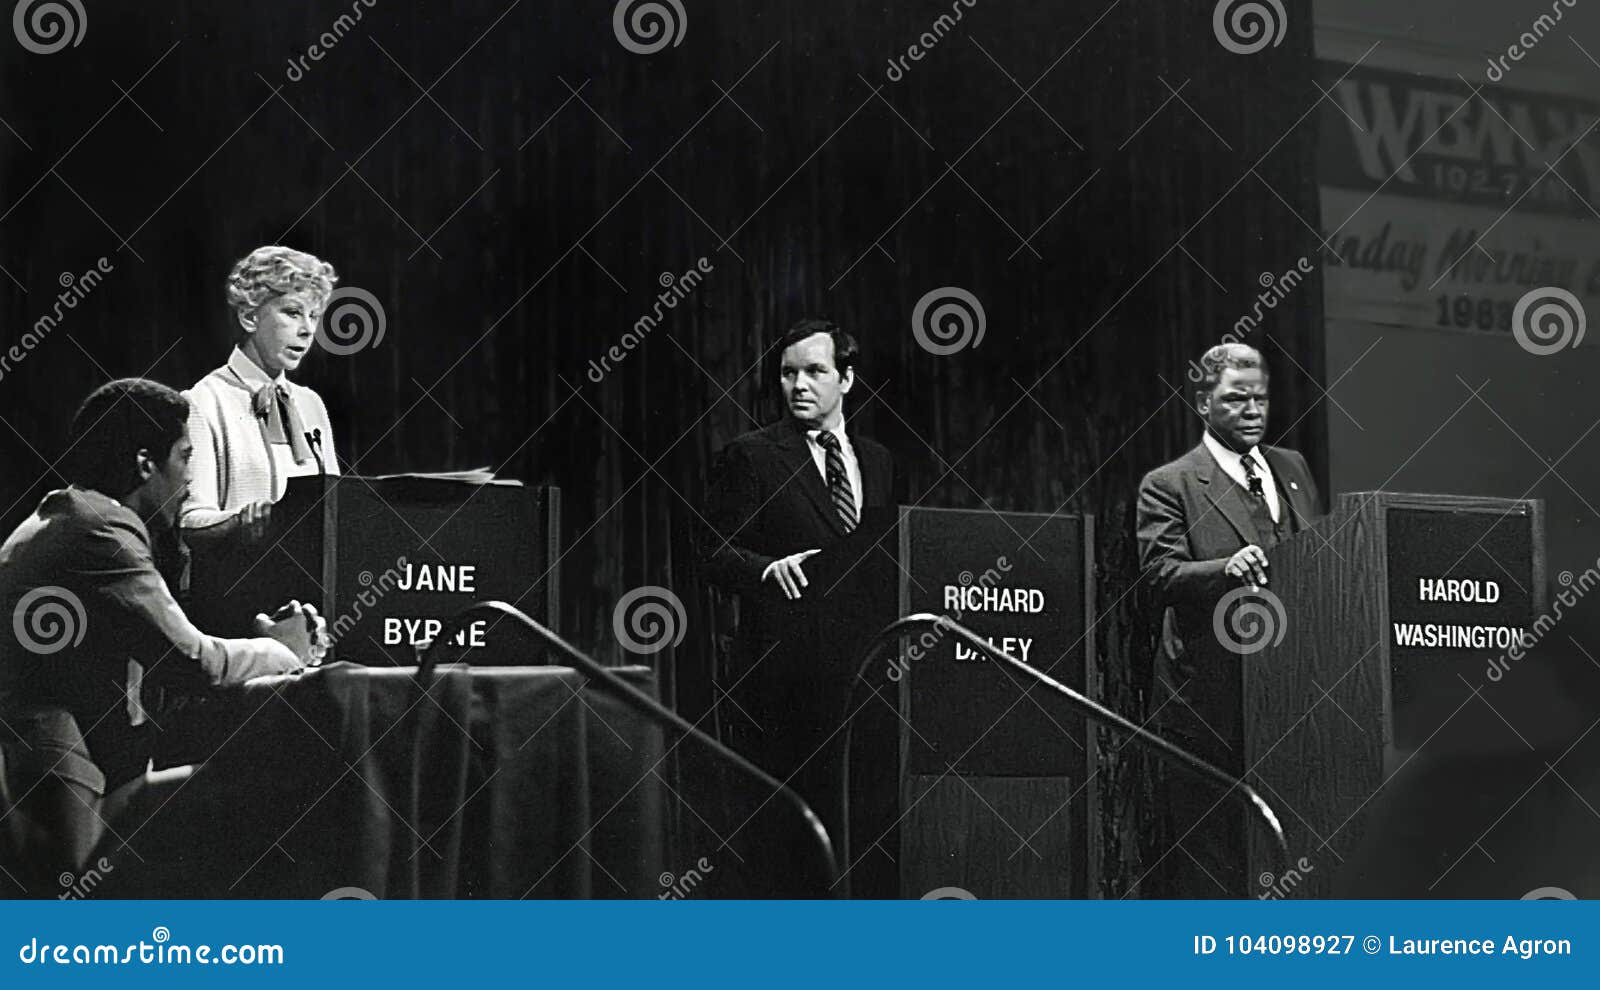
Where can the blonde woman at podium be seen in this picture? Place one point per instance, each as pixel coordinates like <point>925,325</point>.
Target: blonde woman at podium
<point>251,427</point>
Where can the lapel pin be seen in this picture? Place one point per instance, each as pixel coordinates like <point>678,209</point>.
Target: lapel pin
<point>1294,486</point>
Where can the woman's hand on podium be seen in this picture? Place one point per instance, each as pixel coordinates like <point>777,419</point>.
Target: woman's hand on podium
<point>1248,565</point>
<point>300,628</point>
<point>253,520</point>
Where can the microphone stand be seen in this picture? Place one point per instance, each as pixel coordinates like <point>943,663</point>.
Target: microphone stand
<point>314,438</point>
<point>824,872</point>
<point>1092,710</point>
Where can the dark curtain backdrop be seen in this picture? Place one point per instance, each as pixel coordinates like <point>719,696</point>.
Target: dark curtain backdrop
<point>514,221</point>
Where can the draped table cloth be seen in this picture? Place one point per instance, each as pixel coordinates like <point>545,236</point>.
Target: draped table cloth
<point>496,782</point>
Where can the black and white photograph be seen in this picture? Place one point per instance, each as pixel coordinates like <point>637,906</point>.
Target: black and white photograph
<point>800,450</point>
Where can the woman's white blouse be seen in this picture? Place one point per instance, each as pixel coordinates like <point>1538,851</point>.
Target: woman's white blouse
<point>234,463</point>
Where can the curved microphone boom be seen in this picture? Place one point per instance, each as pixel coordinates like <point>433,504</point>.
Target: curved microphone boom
<point>826,869</point>
<point>1092,710</point>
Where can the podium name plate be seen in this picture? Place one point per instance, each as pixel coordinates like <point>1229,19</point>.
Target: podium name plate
<point>1018,580</point>
<point>390,561</point>
<point>1461,592</point>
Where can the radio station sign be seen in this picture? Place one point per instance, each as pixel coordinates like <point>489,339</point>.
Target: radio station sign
<point>1425,137</point>
<point>1441,208</point>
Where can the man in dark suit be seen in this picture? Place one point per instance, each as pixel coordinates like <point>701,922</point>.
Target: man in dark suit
<point>1206,521</point>
<point>777,496</point>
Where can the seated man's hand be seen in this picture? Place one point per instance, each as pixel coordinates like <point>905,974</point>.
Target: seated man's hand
<point>298,627</point>
<point>786,572</point>
<point>253,520</point>
<point>1248,565</point>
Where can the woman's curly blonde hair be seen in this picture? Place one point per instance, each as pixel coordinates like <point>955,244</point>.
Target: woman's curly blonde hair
<point>272,271</point>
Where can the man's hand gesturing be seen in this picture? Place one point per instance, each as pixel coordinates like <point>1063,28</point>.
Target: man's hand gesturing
<point>787,573</point>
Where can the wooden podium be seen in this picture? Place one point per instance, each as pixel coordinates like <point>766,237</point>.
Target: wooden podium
<point>1379,623</point>
<point>388,560</point>
<point>990,786</point>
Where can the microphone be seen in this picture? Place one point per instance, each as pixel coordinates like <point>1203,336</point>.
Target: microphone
<point>314,438</point>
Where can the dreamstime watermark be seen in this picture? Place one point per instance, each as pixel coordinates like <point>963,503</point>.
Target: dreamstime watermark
<point>1274,290</point>
<point>929,39</point>
<point>676,888</point>
<point>74,288</point>
<point>352,321</point>
<point>948,320</point>
<point>75,887</point>
<point>1249,619</point>
<point>949,894</point>
<point>329,39</point>
<point>1549,894</point>
<point>44,27</point>
<point>48,620</point>
<point>160,950</point>
<point>349,894</point>
<point>1245,27</point>
<point>1521,645</point>
<point>650,26</point>
<point>373,589</point>
<point>1278,887</point>
<point>1529,39</point>
<point>674,289</point>
<point>1548,320</point>
<point>649,619</point>
<point>924,643</point>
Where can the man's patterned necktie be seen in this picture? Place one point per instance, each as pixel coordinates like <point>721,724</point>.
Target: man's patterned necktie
<point>844,500</point>
<point>1252,478</point>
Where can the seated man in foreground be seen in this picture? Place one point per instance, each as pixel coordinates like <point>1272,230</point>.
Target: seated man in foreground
<point>88,619</point>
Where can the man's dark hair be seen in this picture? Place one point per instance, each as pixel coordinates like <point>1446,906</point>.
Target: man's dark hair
<point>115,422</point>
<point>845,350</point>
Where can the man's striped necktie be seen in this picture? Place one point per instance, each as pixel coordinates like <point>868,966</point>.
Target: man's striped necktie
<point>844,500</point>
<point>1252,477</point>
